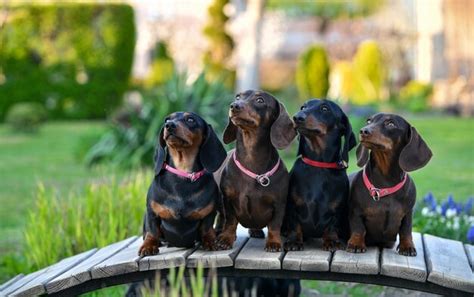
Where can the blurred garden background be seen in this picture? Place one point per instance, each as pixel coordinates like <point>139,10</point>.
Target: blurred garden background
<point>85,86</point>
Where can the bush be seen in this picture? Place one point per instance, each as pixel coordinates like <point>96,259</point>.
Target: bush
<point>132,144</point>
<point>26,117</point>
<point>75,59</point>
<point>415,96</point>
<point>312,73</point>
<point>162,67</point>
<point>369,73</point>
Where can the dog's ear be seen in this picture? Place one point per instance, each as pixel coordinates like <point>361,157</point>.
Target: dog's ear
<point>362,155</point>
<point>211,152</point>
<point>349,137</point>
<point>230,132</point>
<point>160,153</point>
<point>282,131</point>
<point>416,152</point>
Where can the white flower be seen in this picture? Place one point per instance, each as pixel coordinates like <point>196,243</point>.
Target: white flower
<point>471,219</point>
<point>438,209</point>
<point>449,225</point>
<point>425,211</point>
<point>456,224</point>
<point>450,213</point>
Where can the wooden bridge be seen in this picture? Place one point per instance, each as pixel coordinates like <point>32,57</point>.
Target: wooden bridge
<point>442,266</point>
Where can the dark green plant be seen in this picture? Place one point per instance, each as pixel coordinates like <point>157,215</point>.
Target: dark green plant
<point>73,58</point>
<point>312,73</point>
<point>162,66</point>
<point>216,58</point>
<point>132,144</point>
<point>415,96</point>
<point>26,117</point>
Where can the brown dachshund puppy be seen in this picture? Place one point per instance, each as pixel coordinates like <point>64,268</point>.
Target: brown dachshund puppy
<point>383,195</point>
<point>183,196</point>
<point>254,181</point>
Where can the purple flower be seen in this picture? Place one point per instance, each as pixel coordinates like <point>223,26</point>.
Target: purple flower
<point>470,234</point>
<point>430,201</point>
<point>448,204</point>
<point>468,205</point>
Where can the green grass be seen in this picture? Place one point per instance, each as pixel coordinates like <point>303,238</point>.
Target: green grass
<point>49,156</point>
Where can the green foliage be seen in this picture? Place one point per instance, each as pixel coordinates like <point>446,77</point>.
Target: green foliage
<point>58,227</point>
<point>26,117</point>
<point>75,59</point>
<point>369,73</point>
<point>415,96</point>
<point>162,67</point>
<point>312,73</point>
<point>216,58</point>
<point>133,145</point>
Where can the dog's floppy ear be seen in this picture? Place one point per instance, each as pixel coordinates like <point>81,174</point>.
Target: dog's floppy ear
<point>362,155</point>
<point>160,153</point>
<point>212,152</point>
<point>230,132</point>
<point>349,138</point>
<point>415,154</point>
<point>282,131</point>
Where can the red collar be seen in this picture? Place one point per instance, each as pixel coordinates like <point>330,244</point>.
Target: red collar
<point>378,193</point>
<point>262,179</point>
<point>331,165</point>
<point>193,176</point>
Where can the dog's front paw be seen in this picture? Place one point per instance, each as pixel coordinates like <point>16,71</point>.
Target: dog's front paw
<point>273,246</point>
<point>332,245</point>
<point>356,247</point>
<point>256,233</point>
<point>407,250</point>
<point>148,249</point>
<point>224,242</point>
<point>293,245</point>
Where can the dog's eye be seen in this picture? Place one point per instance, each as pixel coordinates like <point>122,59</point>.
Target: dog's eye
<point>390,124</point>
<point>369,121</point>
<point>324,108</point>
<point>303,107</point>
<point>190,120</point>
<point>259,100</point>
<point>237,97</point>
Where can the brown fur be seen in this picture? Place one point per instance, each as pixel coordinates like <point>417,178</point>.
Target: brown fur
<point>162,211</point>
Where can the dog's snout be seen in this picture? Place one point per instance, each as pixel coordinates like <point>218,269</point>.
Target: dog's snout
<point>170,125</point>
<point>234,106</point>
<point>365,131</point>
<point>299,118</point>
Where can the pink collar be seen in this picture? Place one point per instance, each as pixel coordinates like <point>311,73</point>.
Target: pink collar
<point>262,179</point>
<point>193,176</point>
<point>378,193</point>
<point>333,165</point>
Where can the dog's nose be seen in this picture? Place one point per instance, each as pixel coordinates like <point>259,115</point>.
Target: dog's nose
<point>234,106</point>
<point>299,118</point>
<point>365,131</point>
<point>170,125</point>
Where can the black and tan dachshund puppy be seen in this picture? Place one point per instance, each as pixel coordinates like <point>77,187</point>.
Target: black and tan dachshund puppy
<point>254,181</point>
<point>382,194</point>
<point>319,187</point>
<point>183,196</point>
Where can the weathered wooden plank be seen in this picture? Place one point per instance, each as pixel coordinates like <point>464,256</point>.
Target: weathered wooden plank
<point>124,261</point>
<point>22,282</point>
<point>312,258</point>
<point>361,263</point>
<point>81,273</point>
<point>168,257</point>
<point>223,258</point>
<point>10,282</point>
<point>36,286</point>
<point>470,254</point>
<point>448,264</point>
<point>253,256</point>
<point>412,268</point>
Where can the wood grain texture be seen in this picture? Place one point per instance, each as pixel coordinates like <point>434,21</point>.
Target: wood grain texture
<point>10,282</point>
<point>361,263</point>
<point>36,286</point>
<point>124,261</point>
<point>448,264</point>
<point>168,257</point>
<point>470,253</point>
<point>81,273</point>
<point>9,291</point>
<point>412,268</point>
<point>312,258</point>
<point>223,258</point>
<point>253,256</point>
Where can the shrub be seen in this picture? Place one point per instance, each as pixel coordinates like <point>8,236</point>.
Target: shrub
<point>73,58</point>
<point>162,67</point>
<point>415,96</point>
<point>26,117</point>
<point>132,144</point>
<point>369,73</point>
<point>312,73</point>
